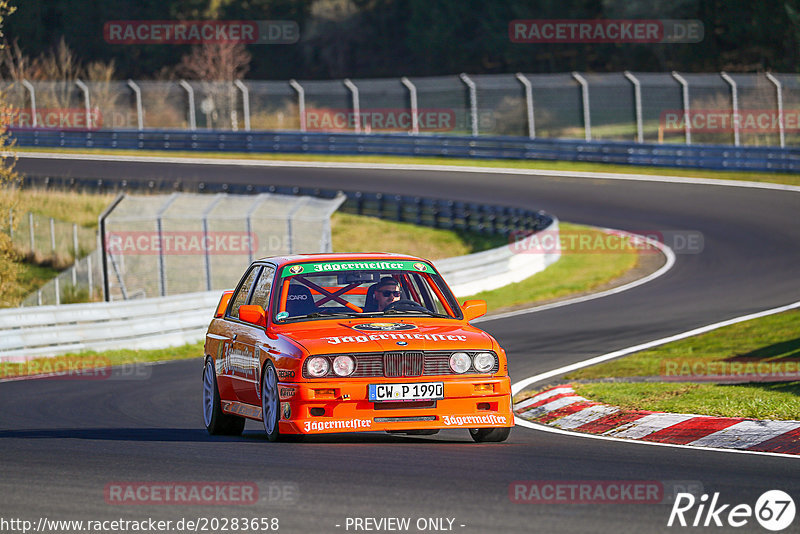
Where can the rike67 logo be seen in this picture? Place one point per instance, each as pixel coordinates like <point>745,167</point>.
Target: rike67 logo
<point>774,510</point>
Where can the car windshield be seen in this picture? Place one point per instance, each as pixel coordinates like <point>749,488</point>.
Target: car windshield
<point>359,288</point>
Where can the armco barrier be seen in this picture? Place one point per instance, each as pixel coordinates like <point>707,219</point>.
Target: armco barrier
<point>27,333</point>
<point>718,157</point>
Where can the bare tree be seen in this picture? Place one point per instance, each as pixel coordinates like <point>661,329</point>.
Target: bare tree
<point>219,62</point>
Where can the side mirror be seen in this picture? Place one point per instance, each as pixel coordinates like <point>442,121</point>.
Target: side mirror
<point>472,309</point>
<point>254,314</point>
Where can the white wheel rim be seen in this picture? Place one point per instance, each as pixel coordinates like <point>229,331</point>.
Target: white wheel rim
<point>269,400</point>
<point>208,393</point>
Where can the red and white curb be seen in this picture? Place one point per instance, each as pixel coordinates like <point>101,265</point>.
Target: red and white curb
<point>562,408</point>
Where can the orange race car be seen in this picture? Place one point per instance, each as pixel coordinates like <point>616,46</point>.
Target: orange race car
<point>321,343</point>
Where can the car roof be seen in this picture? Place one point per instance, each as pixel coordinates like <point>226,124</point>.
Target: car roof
<point>341,256</point>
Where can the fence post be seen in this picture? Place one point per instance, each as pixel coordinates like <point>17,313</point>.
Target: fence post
<point>473,102</point>
<point>30,228</point>
<point>779,91</point>
<point>526,83</point>
<point>686,109</point>
<point>89,276</point>
<point>53,235</point>
<point>74,274</point>
<point>637,102</point>
<point>58,291</point>
<point>86,102</point>
<point>734,106</point>
<point>412,91</point>
<point>139,112</point>
<point>301,102</point>
<point>162,268</point>
<point>587,115</point>
<point>207,259</point>
<point>75,241</point>
<point>29,86</point>
<point>101,225</point>
<point>356,103</point>
<point>190,92</point>
<point>245,102</point>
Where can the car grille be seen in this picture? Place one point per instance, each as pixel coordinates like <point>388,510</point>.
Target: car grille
<point>401,364</point>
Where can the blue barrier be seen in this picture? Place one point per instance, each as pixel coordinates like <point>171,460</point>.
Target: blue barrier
<point>715,157</point>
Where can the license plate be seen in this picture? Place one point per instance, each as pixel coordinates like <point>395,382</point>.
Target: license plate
<point>406,392</point>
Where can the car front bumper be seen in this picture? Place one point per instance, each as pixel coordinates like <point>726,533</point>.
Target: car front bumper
<point>344,406</point>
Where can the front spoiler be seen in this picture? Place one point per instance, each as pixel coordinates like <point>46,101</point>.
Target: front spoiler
<point>348,408</point>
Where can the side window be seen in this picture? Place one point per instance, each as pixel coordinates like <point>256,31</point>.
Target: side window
<point>263,287</point>
<point>240,297</point>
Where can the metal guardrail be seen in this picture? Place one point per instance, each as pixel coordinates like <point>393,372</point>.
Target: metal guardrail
<point>715,157</point>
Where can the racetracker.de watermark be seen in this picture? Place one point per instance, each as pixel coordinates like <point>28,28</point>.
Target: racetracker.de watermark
<point>201,493</point>
<point>72,367</point>
<point>60,118</point>
<point>605,31</point>
<point>381,119</point>
<point>182,243</point>
<point>726,121</point>
<point>600,491</point>
<point>740,370</point>
<point>182,32</point>
<point>605,242</point>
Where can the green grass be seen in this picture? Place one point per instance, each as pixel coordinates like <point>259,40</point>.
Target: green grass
<point>756,400</point>
<point>74,207</point>
<point>768,344</point>
<point>30,278</point>
<point>354,233</point>
<point>573,273</point>
<point>92,360</point>
<point>756,176</point>
<point>775,338</point>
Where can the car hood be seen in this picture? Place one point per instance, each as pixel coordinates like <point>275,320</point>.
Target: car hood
<point>388,335</point>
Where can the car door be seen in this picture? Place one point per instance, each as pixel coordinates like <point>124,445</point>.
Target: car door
<point>252,341</point>
<point>234,364</point>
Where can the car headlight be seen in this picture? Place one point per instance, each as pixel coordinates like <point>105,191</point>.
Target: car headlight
<point>344,365</point>
<point>484,362</point>
<point>317,366</point>
<point>460,362</point>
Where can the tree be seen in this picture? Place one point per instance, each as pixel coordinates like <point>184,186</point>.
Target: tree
<point>8,179</point>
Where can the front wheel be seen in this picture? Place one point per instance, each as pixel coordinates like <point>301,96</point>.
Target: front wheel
<point>217,422</point>
<point>481,435</point>
<point>270,401</point>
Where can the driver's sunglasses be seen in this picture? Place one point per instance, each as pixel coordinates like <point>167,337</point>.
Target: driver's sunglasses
<point>391,293</point>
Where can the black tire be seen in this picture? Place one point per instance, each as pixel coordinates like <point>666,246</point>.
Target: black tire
<point>217,422</point>
<point>270,402</point>
<point>482,435</point>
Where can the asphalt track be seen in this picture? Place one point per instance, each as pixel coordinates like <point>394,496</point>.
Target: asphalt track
<point>63,441</point>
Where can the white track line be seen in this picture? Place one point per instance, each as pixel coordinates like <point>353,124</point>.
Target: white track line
<point>409,167</point>
<point>670,262</point>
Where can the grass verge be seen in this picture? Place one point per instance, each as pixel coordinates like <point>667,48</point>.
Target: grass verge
<point>764,353</point>
<point>576,272</point>
<point>755,400</point>
<point>68,366</point>
<point>755,176</point>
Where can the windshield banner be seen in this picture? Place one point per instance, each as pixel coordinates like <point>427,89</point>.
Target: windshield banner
<point>340,266</point>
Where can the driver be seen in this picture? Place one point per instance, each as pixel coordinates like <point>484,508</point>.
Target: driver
<point>386,292</point>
